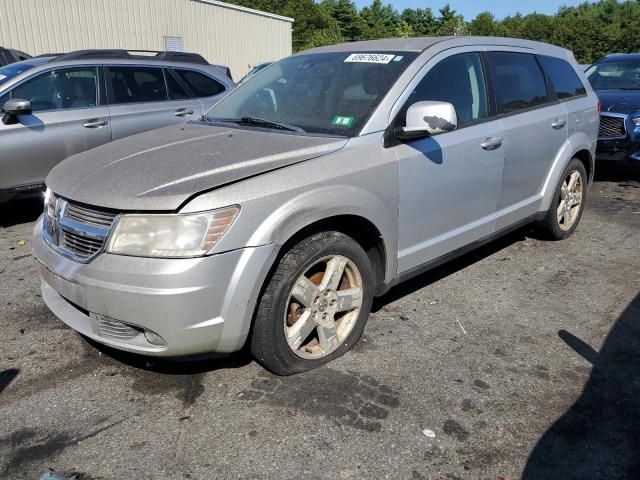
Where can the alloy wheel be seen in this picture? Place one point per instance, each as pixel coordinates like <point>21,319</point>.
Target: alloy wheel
<point>323,307</point>
<point>570,201</point>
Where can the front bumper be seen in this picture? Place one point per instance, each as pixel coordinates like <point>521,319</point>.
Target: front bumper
<point>192,306</point>
<point>618,150</point>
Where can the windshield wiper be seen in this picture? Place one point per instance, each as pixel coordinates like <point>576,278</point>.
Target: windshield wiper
<point>261,122</point>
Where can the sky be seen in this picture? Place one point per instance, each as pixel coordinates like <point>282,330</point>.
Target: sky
<point>471,8</point>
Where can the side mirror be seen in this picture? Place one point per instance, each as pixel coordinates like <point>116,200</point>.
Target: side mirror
<point>14,108</point>
<point>428,118</point>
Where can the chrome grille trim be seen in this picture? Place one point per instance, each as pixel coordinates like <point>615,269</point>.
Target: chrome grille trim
<point>76,231</point>
<point>612,126</point>
<point>86,215</point>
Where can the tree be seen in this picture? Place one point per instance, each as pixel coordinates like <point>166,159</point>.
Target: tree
<point>381,21</point>
<point>450,23</point>
<point>591,30</point>
<point>421,21</point>
<point>346,14</point>
<point>485,24</point>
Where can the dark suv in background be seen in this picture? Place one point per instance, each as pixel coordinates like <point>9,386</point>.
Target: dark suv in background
<point>616,80</point>
<point>9,55</point>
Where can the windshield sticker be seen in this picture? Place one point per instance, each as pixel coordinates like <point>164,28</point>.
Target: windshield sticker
<point>398,58</point>
<point>369,58</point>
<point>342,121</point>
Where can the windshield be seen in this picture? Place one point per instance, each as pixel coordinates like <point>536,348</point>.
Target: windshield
<point>615,75</point>
<point>10,71</point>
<point>322,93</point>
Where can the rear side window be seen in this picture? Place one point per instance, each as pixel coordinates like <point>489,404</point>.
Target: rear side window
<point>137,84</point>
<point>176,90</point>
<point>200,85</point>
<point>459,80</point>
<point>564,79</point>
<point>518,81</point>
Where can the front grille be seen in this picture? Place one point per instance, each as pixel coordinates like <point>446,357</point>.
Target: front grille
<point>611,127</point>
<point>76,231</point>
<point>91,216</point>
<point>110,328</point>
<point>79,244</point>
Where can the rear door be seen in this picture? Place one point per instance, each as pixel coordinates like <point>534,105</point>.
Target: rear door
<point>141,99</point>
<point>68,117</point>
<point>571,92</point>
<point>535,132</point>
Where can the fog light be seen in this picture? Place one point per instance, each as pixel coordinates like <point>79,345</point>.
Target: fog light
<point>154,338</point>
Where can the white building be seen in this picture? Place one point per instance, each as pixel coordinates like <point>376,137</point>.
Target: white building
<point>223,33</point>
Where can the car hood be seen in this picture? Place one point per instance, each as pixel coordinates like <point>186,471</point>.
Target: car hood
<point>619,101</point>
<point>161,169</point>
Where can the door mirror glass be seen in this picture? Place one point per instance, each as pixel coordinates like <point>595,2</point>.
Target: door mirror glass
<point>428,118</point>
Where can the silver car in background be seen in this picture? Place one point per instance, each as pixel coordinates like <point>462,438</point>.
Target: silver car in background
<point>55,106</point>
<point>316,185</point>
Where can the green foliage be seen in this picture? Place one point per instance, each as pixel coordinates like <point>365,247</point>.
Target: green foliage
<point>591,30</point>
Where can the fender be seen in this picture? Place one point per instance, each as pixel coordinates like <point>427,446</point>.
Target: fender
<point>325,202</point>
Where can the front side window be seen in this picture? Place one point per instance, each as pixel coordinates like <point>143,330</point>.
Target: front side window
<point>564,79</point>
<point>458,80</point>
<point>518,81</point>
<point>323,93</point>
<point>201,85</point>
<point>137,84</point>
<point>615,75</point>
<point>59,90</point>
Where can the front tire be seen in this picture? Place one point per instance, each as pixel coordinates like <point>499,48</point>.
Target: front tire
<point>568,202</point>
<point>314,306</point>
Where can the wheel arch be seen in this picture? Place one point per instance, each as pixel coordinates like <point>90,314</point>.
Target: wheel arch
<point>361,229</point>
<point>566,154</point>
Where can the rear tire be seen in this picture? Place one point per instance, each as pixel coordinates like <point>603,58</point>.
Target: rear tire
<point>568,202</point>
<point>314,306</point>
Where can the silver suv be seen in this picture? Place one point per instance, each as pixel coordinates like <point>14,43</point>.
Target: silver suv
<point>316,185</point>
<point>58,105</point>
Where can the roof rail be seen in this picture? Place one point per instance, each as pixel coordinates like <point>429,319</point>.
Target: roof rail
<point>183,57</point>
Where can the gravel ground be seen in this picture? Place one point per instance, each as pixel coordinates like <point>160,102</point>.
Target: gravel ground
<point>519,360</point>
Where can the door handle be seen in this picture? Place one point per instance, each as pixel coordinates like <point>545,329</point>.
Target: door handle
<point>183,112</point>
<point>491,143</point>
<point>559,123</point>
<point>95,123</point>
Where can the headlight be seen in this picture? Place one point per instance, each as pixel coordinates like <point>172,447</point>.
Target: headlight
<point>636,121</point>
<point>170,236</point>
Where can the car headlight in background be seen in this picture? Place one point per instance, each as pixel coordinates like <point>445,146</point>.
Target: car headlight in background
<point>170,235</point>
<point>636,121</point>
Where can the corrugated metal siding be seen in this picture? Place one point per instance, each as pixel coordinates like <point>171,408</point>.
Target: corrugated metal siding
<point>222,35</point>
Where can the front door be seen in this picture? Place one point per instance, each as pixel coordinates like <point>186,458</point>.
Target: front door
<point>66,119</point>
<point>450,183</point>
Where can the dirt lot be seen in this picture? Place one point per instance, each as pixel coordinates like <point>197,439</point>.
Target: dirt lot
<point>522,358</point>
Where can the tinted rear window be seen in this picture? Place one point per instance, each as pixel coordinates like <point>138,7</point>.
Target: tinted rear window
<point>137,84</point>
<point>176,90</point>
<point>201,85</point>
<point>518,81</point>
<point>564,79</point>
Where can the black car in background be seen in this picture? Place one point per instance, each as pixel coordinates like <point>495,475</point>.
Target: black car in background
<point>9,55</point>
<point>616,80</point>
